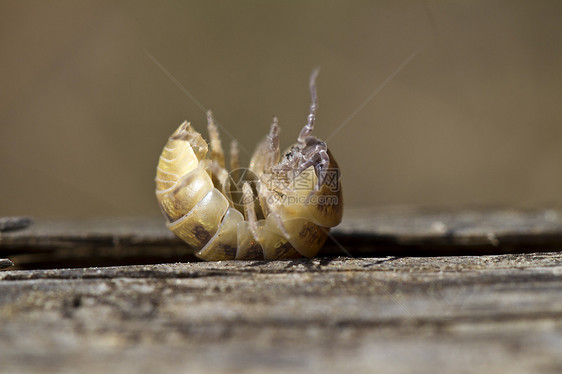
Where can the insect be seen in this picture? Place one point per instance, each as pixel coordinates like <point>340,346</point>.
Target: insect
<point>279,207</point>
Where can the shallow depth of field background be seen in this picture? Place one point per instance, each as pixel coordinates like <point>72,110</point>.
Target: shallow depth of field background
<point>475,118</point>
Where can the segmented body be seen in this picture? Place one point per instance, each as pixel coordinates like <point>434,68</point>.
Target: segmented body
<point>277,208</point>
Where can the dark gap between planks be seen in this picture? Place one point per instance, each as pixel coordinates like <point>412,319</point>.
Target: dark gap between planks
<point>369,232</point>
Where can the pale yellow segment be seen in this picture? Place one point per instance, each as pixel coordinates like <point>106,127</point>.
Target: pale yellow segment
<point>163,185</point>
<point>275,245</point>
<point>198,226</point>
<point>176,204</point>
<point>323,207</point>
<point>328,211</point>
<point>306,237</point>
<point>178,166</point>
<point>177,159</point>
<point>223,244</point>
<point>176,163</point>
<point>248,247</point>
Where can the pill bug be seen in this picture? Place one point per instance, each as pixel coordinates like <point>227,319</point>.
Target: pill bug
<point>279,207</point>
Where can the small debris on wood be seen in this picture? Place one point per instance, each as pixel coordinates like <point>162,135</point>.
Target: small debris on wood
<point>14,223</point>
<point>5,263</point>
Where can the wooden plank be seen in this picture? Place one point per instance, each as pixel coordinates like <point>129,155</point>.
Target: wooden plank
<point>363,232</point>
<point>14,223</point>
<point>456,230</point>
<point>93,242</point>
<point>490,314</point>
<point>390,225</point>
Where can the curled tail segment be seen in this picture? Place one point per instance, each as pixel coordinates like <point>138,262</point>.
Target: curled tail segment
<point>184,189</point>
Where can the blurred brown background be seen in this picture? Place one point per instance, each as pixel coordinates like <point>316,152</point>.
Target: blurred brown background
<point>473,118</point>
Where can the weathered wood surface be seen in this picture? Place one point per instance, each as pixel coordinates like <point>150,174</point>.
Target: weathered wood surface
<point>393,314</point>
<point>363,232</point>
<point>462,314</point>
<point>14,223</point>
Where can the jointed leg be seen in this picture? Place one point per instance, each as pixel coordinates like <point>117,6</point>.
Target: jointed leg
<point>273,145</point>
<point>217,153</point>
<point>320,160</point>
<point>266,154</point>
<point>218,172</point>
<point>307,129</point>
<point>310,151</point>
<point>248,199</point>
<point>234,161</point>
<point>269,205</point>
<point>234,156</point>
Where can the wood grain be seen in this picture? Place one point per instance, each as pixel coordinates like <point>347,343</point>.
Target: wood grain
<point>446,314</point>
<point>400,310</point>
<point>363,233</point>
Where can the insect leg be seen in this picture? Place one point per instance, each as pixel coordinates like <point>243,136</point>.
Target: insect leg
<point>249,209</point>
<point>272,145</point>
<point>234,156</point>
<point>319,158</point>
<point>234,161</point>
<point>269,205</point>
<point>217,153</point>
<point>218,173</point>
<point>307,129</point>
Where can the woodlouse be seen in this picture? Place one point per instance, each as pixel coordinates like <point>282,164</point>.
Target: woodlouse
<point>279,207</point>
